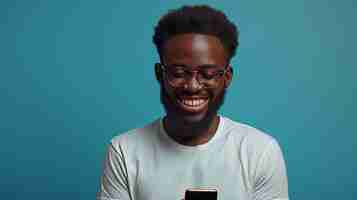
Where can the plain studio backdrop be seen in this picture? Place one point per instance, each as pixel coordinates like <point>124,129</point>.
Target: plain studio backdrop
<point>73,74</point>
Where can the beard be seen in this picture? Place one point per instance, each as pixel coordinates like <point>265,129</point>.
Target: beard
<point>204,123</point>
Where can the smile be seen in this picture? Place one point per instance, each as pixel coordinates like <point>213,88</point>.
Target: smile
<point>193,105</point>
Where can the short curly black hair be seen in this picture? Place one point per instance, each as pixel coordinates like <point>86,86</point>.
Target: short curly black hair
<point>197,19</point>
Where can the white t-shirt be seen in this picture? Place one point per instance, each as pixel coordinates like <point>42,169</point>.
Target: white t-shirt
<point>241,162</point>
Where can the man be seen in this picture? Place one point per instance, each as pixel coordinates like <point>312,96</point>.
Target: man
<point>192,146</point>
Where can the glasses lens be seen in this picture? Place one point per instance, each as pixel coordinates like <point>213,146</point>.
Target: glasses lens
<point>178,76</point>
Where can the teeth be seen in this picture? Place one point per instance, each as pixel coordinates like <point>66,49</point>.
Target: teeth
<point>195,102</point>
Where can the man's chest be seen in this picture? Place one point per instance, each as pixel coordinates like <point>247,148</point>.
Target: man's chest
<point>166,176</point>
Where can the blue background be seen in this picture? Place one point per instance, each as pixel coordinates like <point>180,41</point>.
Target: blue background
<point>73,74</point>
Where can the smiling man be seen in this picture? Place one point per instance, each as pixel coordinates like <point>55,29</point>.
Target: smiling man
<point>192,146</point>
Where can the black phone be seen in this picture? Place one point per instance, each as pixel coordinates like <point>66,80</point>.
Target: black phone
<point>201,194</point>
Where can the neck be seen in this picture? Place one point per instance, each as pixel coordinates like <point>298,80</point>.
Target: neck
<point>191,134</point>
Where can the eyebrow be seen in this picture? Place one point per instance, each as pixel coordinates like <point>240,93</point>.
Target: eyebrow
<point>200,66</point>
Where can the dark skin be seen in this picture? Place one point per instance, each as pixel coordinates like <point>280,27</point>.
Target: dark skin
<point>186,125</point>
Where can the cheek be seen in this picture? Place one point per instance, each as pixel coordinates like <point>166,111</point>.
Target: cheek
<point>168,91</point>
<point>217,91</point>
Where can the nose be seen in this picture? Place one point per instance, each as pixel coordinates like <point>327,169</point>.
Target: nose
<point>192,84</point>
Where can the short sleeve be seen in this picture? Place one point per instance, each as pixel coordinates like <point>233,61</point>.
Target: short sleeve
<point>270,182</point>
<point>114,181</point>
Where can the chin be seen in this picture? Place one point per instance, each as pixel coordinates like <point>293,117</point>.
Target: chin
<point>195,118</point>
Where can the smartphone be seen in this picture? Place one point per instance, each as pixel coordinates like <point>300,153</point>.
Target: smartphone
<point>201,194</point>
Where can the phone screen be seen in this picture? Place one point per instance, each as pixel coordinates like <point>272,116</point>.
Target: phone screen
<point>201,194</point>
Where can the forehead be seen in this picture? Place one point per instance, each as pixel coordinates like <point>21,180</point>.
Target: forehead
<point>194,49</point>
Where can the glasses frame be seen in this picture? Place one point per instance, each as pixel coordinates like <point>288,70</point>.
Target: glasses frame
<point>219,73</point>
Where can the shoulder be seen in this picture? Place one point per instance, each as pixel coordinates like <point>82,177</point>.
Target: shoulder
<point>260,153</point>
<point>246,132</point>
<point>134,138</point>
<point>250,140</point>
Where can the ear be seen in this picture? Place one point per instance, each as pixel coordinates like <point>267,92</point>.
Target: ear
<point>228,76</point>
<point>158,72</point>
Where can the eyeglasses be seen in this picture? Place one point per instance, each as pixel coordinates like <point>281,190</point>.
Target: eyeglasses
<point>178,76</point>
